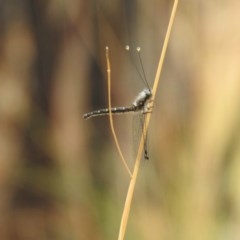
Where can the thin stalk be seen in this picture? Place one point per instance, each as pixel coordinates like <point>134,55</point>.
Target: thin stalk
<point>110,114</point>
<point>131,187</point>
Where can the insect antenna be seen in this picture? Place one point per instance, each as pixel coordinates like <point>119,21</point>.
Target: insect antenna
<point>142,75</point>
<point>141,64</point>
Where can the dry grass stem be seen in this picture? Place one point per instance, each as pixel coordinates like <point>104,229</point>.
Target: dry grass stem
<point>131,188</point>
<point>110,113</point>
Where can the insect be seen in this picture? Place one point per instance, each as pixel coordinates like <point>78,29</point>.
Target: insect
<point>140,104</point>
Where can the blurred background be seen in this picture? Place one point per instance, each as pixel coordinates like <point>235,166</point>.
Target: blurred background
<point>61,176</point>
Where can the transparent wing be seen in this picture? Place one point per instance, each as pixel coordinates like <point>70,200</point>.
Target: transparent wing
<point>138,126</point>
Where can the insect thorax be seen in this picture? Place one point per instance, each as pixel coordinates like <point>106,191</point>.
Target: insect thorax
<point>142,98</point>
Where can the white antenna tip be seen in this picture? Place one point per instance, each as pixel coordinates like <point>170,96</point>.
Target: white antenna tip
<point>127,47</point>
<point>138,49</point>
<point>106,47</point>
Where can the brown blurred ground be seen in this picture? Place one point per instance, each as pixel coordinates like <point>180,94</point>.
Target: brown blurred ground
<point>60,176</point>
